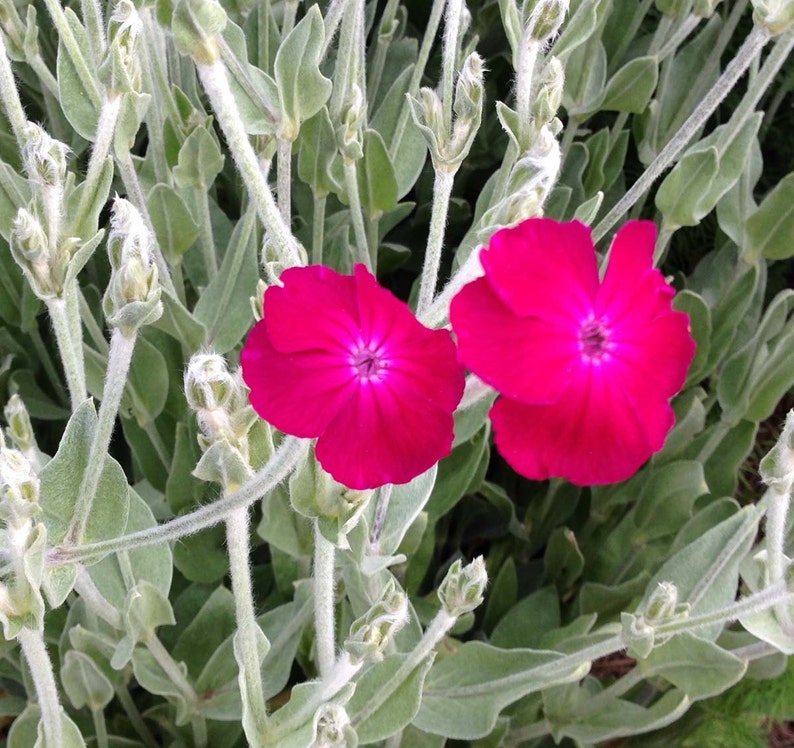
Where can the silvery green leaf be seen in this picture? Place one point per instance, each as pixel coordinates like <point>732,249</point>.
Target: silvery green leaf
<point>179,323</point>
<point>78,91</point>
<point>580,27</point>
<point>224,305</point>
<point>85,224</point>
<point>155,680</point>
<point>631,87</point>
<point>316,153</point>
<point>131,114</point>
<point>60,484</point>
<point>401,706</point>
<point>200,160</point>
<point>14,194</point>
<point>409,154</point>
<point>27,731</point>
<point>586,75</point>
<point>85,684</point>
<point>464,693</point>
<point>302,88</point>
<point>769,232</point>
<point>174,225</point>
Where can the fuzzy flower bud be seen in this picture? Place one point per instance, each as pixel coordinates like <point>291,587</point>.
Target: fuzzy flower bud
<point>371,634</point>
<point>348,135</point>
<point>549,95</point>
<point>777,467</point>
<point>663,604</point>
<point>44,157</point>
<point>20,431</point>
<point>449,149</point>
<point>44,269</point>
<point>132,298</point>
<point>332,728</point>
<point>196,24</point>
<point>19,488</point>
<point>463,587</point>
<point>776,15</point>
<point>121,69</point>
<point>543,18</point>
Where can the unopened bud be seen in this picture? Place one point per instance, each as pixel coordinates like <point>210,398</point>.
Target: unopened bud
<point>19,488</point>
<point>663,603</point>
<point>463,587</point>
<point>19,428</point>
<point>196,24</point>
<point>44,270</point>
<point>543,18</point>
<point>132,298</point>
<point>775,15</point>
<point>121,69</point>
<point>348,134</point>
<point>44,157</point>
<point>332,728</point>
<point>371,634</point>
<point>258,300</point>
<point>777,467</point>
<point>208,383</point>
<point>549,96</point>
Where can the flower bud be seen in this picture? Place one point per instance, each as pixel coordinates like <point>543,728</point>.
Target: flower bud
<point>20,430</point>
<point>195,24</point>
<point>777,467</point>
<point>44,270</point>
<point>332,728</point>
<point>44,157</point>
<point>258,300</point>
<point>121,69</point>
<point>208,383</point>
<point>549,95</point>
<point>776,15</point>
<point>348,134</point>
<point>463,587</point>
<point>371,634</point>
<point>543,18</point>
<point>132,298</point>
<point>19,488</point>
<point>663,603</point>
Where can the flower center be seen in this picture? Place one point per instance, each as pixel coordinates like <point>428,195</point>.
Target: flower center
<point>593,339</point>
<point>368,363</point>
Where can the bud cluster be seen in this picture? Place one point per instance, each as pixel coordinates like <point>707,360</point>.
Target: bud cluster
<point>36,241</point>
<point>371,634</point>
<point>121,68</point>
<point>776,15</point>
<point>132,298</point>
<point>463,587</point>
<point>22,543</point>
<point>349,133</point>
<point>449,147</point>
<point>332,728</point>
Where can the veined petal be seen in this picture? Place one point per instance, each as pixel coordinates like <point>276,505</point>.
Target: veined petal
<point>525,358</point>
<point>382,437</point>
<point>314,309</point>
<point>544,268</point>
<point>299,393</point>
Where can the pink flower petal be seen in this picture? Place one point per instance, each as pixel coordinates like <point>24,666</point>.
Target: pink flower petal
<point>633,291</point>
<point>593,435</point>
<point>544,268</point>
<point>315,309</point>
<point>523,357</point>
<point>299,393</point>
<point>382,437</point>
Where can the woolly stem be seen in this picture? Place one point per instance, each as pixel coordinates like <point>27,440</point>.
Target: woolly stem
<point>291,452</point>
<point>442,191</point>
<point>318,228</point>
<point>356,213</point>
<point>450,58</point>
<point>135,718</point>
<point>216,84</point>
<point>248,631</point>
<point>323,588</point>
<point>12,106</point>
<point>284,178</point>
<point>35,652</point>
<point>67,347</point>
<point>438,312</point>
<point>749,50</point>
<point>119,359</point>
<point>381,512</point>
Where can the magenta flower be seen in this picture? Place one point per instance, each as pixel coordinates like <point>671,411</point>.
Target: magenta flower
<point>339,358</point>
<point>586,368</point>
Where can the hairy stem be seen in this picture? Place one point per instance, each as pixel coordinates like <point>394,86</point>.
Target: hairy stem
<point>748,52</point>
<point>71,354</point>
<point>323,587</point>
<point>289,454</point>
<point>119,359</point>
<point>35,651</point>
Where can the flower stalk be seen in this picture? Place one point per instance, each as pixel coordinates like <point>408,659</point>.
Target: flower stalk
<point>324,596</point>
<point>35,652</point>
